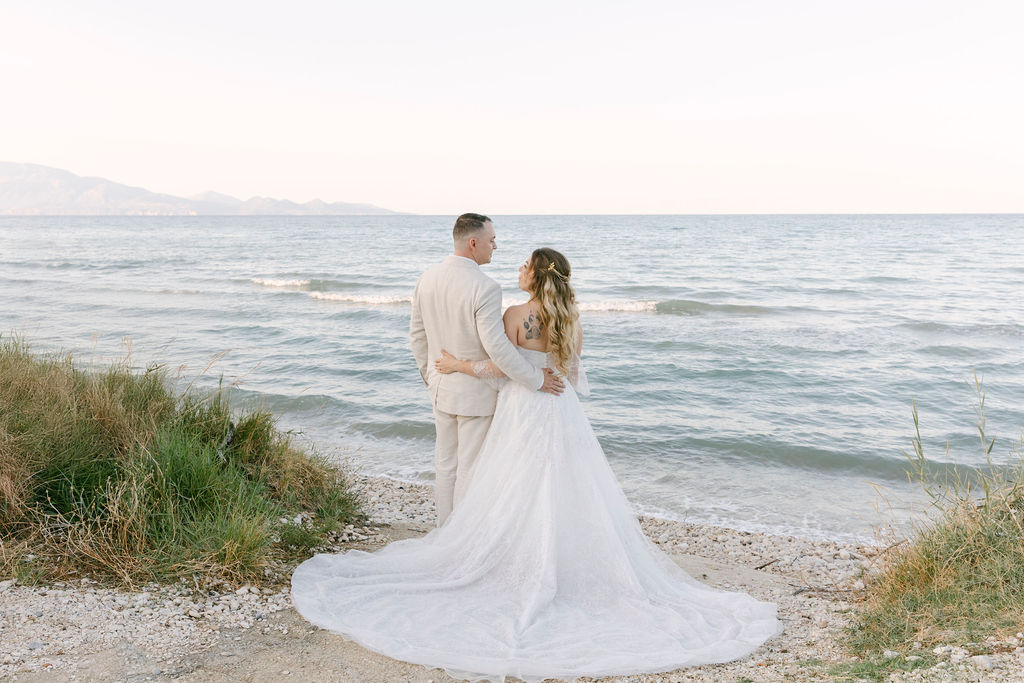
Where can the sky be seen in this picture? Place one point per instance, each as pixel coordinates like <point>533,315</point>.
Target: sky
<point>529,107</point>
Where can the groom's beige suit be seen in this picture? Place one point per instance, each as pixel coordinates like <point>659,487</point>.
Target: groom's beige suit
<point>456,307</point>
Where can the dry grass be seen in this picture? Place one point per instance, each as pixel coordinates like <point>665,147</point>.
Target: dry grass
<point>960,577</point>
<point>111,473</point>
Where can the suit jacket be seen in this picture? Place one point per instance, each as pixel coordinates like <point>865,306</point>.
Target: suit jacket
<point>456,307</point>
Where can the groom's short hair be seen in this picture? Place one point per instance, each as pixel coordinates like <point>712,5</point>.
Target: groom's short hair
<point>467,224</point>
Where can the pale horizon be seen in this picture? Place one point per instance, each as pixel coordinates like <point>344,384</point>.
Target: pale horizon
<point>537,109</point>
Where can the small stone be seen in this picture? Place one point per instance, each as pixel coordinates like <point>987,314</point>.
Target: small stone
<point>983,662</point>
<point>914,658</point>
<point>36,645</point>
<point>844,554</point>
<point>890,654</point>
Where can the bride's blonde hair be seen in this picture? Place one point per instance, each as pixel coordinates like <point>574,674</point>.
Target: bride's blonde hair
<point>558,313</point>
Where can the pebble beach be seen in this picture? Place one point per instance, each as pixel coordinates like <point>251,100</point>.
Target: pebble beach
<point>85,631</point>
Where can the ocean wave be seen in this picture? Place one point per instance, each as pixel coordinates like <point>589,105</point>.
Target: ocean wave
<point>985,329</point>
<point>279,282</point>
<point>668,307</point>
<point>672,307</point>
<point>619,306</point>
<point>172,291</point>
<point>365,299</point>
<point>687,307</point>
<point>306,285</point>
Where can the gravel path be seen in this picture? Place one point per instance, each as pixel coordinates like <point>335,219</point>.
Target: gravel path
<point>85,632</point>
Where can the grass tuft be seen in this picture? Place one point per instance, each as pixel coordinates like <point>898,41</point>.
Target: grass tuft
<point>959,578</point>
<point>112,473</point>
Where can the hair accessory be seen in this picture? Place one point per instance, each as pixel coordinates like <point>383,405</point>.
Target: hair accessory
<point>551,269</point>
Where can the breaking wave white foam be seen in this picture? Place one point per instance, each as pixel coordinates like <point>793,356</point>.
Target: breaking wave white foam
<point>272,282</point>
<point>625,306</point>
<point>368,299</point>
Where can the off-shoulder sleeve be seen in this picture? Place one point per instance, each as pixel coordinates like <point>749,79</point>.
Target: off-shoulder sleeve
<point>578,376</point>
<point>489,373</point>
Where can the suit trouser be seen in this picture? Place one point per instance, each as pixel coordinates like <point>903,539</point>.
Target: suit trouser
<point>459,438</point>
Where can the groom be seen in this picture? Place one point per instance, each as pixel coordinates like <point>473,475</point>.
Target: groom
<point>456,307</point>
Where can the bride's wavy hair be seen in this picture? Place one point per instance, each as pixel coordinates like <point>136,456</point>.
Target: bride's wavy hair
<point>558,312</point>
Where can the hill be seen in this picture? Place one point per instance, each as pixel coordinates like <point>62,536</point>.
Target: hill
<point>33,190</point>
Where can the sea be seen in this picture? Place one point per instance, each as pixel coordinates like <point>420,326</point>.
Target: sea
<point>750,371</point>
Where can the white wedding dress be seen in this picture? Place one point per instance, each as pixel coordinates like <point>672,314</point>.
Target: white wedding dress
<point>542,570</point>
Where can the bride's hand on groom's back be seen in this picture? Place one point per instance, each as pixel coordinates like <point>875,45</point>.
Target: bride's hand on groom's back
<point>447,363</point>
<point>553,384</point>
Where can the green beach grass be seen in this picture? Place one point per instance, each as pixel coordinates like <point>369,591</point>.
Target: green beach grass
<point>113,473</point>
<point>959,577</point>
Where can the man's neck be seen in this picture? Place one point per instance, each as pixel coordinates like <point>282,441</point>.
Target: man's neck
<point>464,254</point>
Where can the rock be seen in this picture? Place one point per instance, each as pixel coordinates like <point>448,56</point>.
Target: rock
<point>9,583</point>
<point>844,554</point>
<point>36,645</point>
<point>890,654</point>
<point>983,662</point>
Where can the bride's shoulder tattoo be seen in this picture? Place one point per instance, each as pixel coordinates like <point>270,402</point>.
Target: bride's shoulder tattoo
<point>533,326</point>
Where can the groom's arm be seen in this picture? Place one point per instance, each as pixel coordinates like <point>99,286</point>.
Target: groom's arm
<point>418,334</point>
<point>491,329</point>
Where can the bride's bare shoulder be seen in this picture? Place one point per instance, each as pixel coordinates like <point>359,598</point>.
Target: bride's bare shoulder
<point>517,311</point>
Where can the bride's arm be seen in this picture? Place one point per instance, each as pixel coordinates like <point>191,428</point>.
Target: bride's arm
<point>486,369</point>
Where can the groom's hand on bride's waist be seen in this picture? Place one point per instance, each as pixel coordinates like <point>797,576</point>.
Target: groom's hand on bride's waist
<point>553,384</point>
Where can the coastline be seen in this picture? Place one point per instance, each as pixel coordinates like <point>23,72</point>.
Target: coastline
<point>201,632</point>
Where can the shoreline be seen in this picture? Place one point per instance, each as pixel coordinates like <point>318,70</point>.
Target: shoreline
<point>845,539</point>
<point>202,632</point>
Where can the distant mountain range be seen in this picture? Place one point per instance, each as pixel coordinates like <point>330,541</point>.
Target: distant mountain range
<point>29,189</point>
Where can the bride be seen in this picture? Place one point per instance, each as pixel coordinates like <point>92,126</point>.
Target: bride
<point>542,570</point>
